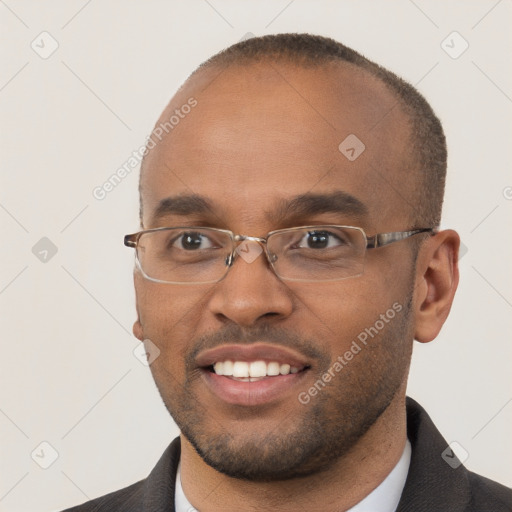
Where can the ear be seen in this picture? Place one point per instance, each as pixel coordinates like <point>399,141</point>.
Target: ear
<point>437,277</point>
<point>137,329</point>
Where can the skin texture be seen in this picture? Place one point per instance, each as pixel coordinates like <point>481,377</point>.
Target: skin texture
<point>259,135</point>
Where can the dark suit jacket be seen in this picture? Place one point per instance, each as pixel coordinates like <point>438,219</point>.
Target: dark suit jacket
<point>432,484</point>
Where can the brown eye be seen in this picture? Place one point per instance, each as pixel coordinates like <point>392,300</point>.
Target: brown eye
<point>192,241</point>
<point>320,240</point>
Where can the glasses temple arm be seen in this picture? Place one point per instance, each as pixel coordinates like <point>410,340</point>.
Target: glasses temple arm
<point>130,240</point>
<point>388,238</point>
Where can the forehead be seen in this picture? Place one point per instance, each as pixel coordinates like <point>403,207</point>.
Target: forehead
<point>265,132</point>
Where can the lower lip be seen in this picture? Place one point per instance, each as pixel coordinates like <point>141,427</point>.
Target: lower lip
<point>260,392</point>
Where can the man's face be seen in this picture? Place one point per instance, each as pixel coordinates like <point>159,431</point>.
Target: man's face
<point>260,136</point>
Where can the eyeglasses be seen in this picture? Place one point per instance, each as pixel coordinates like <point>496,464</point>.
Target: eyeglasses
<point>201,255</point>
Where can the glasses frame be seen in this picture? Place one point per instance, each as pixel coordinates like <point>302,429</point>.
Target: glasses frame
<point>372,242</point>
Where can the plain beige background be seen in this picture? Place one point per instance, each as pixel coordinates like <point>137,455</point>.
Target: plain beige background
<point>68,375</point>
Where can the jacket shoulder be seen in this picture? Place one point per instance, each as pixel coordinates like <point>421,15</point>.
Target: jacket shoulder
<point>127,499</point>
<point>152,494</point>
<point>488,495</point>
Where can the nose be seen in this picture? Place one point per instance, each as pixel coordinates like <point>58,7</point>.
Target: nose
<point>251,292</point>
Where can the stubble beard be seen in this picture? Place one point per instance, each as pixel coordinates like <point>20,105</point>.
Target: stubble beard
<point>316,435</point>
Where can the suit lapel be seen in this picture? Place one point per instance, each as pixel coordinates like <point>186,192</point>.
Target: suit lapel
<point>432,484</point>
<point>159,486</point>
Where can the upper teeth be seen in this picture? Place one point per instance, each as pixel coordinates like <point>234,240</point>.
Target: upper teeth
<point>253,369</point>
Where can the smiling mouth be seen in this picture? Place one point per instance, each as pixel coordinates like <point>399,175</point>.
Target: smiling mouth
<point>252,374</point>
<point>253,371</point>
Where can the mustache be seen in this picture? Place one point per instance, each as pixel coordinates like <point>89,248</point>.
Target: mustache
<point>233,333</point>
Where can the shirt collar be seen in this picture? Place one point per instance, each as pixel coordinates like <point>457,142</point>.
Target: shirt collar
<point>384,498</point>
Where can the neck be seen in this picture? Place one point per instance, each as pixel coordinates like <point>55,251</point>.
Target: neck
<point>350,480</point>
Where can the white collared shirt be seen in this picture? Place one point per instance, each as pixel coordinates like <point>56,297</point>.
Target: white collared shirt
<point>384,498</point>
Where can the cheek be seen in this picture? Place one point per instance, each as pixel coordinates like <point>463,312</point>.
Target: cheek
<point>341,311</point>
<point>169,316</point>
<point>165,305</point>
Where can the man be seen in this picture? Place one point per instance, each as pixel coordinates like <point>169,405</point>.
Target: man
<point>289,256</point>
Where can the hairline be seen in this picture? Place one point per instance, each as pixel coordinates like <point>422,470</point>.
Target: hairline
<point>408,98</point>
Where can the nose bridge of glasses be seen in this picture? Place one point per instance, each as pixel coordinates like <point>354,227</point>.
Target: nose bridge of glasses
<point>243,249</point>
<point>242,238</point>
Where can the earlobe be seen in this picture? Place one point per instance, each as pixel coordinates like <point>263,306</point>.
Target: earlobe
<point>137,329</point>
<point>437,277</point>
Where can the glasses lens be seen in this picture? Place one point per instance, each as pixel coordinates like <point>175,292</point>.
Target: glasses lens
<point>184,256</point>
<point>318,253</point>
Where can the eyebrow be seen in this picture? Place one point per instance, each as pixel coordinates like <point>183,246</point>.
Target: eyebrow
<point>309,204</point>
<point>183,206</point>
<point>298,207</point>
